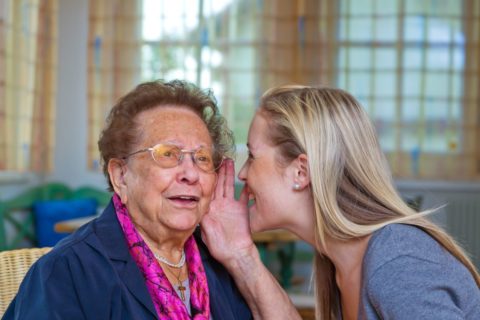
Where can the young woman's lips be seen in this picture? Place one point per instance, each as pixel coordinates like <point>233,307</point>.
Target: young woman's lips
<point>251,200</point>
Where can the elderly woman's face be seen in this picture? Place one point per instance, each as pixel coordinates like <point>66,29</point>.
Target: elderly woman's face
<point>174,198</point>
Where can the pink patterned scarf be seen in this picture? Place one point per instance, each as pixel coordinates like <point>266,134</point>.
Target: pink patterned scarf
<point>166,301</point>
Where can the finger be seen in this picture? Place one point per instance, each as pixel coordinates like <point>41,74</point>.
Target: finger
<point>229,191</point>
<point>219,189</point>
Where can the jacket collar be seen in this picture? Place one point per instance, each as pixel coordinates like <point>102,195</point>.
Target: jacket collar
<point>109,232</point>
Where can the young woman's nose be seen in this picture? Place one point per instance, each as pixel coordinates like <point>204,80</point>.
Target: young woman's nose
<point>242,174</point>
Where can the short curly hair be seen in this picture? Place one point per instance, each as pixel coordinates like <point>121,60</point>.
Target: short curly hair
<point>121,130</point>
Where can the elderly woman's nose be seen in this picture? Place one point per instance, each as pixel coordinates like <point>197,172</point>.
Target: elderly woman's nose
<point>189,170</point>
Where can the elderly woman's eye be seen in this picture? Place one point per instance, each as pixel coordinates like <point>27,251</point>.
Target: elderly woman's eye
<point>203,158</point>
<point>165,152</point>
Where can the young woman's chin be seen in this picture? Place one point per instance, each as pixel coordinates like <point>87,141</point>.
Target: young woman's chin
<point>257,224</point>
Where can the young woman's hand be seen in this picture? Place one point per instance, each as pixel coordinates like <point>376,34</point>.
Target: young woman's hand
<point>226,228</point>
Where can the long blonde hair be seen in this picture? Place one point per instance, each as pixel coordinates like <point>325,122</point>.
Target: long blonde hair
<point>351,183</point>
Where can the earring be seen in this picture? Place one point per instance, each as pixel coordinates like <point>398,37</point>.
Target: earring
<point>296,186</point>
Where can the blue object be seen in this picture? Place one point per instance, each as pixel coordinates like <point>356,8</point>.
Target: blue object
<point>47,213</point>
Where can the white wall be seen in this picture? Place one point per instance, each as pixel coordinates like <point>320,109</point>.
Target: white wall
<point>71,123</point>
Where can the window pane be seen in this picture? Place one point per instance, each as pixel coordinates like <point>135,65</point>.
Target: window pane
<point>361,7</point>
<point>435,127</point>
<point>438,58</point>
<point>410,137</point>
<point>458,36</point>
<point>437,139</point>
<point>342,58</point>
<point>414,6</point>
<point>385,58</point>
<point>455,112</point>
<point>412,58</point>
<point>457,85</point>
<point>385,84</point>
<point>458,58</point>
<point>386,135</point>
<point>169,20</point>
<point>241,58</point>
<point>436,85</point>
<point>359,83</point>
<point>436,111</point>
<point>342,79</point>
<point>242,84</point>
<point>412,83</point>
<point>414,28</point>
<point>439,30</point>
<point>386,28</point>
<point>344,6</point>
<point>343,29</point>
<point>385,110</point>
<point>159,60</point>
<point>242,111</point>
<point>211,57</point>
<point>410,122</point>
<point>214,7</point>
<point>389,7</point>
<point>360,29</point>
<point>360,58</point>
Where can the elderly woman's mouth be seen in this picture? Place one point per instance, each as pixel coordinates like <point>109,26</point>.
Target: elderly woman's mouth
<point>184,199</point>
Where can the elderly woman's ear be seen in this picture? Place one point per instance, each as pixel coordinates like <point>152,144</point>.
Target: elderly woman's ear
<point>117,171</point>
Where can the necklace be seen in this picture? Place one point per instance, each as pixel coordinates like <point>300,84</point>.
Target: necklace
<point>178,265</point>
<point>179,285</point>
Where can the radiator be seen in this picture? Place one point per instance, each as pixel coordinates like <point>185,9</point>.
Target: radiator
<point>463,222</point>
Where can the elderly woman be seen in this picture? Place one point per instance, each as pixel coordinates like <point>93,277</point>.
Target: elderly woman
<point>315,168</point>
<point>140,259</point>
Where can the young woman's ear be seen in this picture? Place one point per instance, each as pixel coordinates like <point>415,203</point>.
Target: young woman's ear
<point>117,171</point>
<point>301,179</point>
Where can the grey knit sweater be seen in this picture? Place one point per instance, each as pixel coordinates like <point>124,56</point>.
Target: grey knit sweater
<point>409,275</point>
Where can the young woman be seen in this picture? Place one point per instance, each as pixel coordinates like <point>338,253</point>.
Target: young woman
<point>315,168</point>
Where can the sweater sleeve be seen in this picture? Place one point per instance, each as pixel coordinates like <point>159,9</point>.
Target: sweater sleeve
<point>412,288</point>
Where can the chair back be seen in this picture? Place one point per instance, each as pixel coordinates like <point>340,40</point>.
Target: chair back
<point>14,264</point>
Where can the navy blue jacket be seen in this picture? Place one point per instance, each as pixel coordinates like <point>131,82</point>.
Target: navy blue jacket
<point>91,275</point>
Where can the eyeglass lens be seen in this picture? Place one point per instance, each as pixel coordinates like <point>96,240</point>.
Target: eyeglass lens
<point>169,156</point>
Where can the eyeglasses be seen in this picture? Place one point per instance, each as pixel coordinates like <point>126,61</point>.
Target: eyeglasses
<point>170,155</point>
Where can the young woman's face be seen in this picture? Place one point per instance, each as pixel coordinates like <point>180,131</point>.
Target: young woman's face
<point>267,183</point>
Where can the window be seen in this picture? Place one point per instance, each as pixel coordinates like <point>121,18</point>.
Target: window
<point>210,43</point>
<point>406,61</point>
